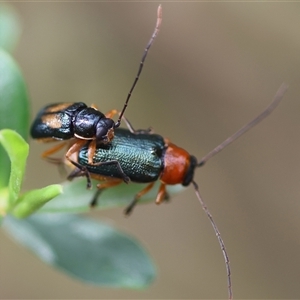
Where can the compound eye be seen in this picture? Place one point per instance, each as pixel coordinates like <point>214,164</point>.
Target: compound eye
<point>105,131</point>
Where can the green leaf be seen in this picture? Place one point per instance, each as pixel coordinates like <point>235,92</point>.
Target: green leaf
<point>88,250</point>
<point>31,201</point>
<point>4,196</point>
<point>1,220</point>
<point>76,198</point>
<point>10,28</point>
<point>14,107</point>
<point>17,150</point>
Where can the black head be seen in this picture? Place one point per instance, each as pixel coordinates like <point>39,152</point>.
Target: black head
<point>189,176</point>
<point>105,130</point>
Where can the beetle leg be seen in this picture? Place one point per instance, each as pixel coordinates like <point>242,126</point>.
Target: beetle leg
<point>138,131</point>
<point>74,149</point>
<point>94,106</point>
<point>111,113</point>
<point>101,186</point>
<point>167,197</point>
<point>46,154</point>
<point>94,200</point>
<point>91,152</point>
<point>162,194</point>
<point>78,144</point>
<point>81,171</point>
<point>137,197</point>
<point>75,173</point>
<point>60,162</point>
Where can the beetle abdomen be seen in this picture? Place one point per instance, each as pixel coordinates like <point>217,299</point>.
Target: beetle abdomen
<point>55,121</point>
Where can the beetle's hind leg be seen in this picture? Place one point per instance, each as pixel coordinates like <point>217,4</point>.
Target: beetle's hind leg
<point>133,203</point>
<point>80,171</point>
<point>83,170</point>
<point>101,186</point>
<point>162,195</point>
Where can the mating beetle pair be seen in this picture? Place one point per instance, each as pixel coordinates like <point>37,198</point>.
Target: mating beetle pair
<point>103,151</point>
<point>146,157</point>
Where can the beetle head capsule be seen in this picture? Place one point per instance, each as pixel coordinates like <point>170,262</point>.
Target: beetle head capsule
<point>104,131</point>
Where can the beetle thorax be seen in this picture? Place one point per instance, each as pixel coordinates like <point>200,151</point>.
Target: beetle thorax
<point>176,165</point>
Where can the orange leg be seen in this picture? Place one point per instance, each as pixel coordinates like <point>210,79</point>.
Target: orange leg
<point>111,113</point>
<point>78,144</point>
<point>52,150</point>
<point>103,185</point>
<point>137,197</point>
<point>55,160</point>
<point>73,150</point>
<point>94,106</point>
<point>60,162</point>
<point>161,195</point>
<point>91,152</point>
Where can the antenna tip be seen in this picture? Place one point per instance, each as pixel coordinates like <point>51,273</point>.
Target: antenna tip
<point>280,92</point>
<point>283,88</point>
<point>159,11</point>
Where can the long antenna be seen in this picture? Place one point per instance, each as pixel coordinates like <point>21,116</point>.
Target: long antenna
<point>220,240</point>
<point>156,30</point>
<point>277,98</point>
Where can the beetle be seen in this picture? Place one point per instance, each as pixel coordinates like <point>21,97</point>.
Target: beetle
<point>146,157</point>
<point>79,123</point>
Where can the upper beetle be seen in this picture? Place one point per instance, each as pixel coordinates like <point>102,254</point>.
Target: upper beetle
<point>65,121</point>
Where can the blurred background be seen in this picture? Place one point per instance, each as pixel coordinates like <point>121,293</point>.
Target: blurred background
<point>213,67</point>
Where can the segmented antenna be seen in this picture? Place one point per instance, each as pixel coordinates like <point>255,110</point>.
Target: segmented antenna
<point>277,98</point>
<point>156,30</point>
<point>220,240</point>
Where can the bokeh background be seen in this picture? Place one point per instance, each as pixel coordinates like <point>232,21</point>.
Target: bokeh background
<point>213,67</point>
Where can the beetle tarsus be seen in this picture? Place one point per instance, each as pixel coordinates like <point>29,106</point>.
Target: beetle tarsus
<point>128,210</point>
<point>94,200</point>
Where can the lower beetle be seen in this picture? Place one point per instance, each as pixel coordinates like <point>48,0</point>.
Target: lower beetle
<point>65,121</point>
<point>146,157</point>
